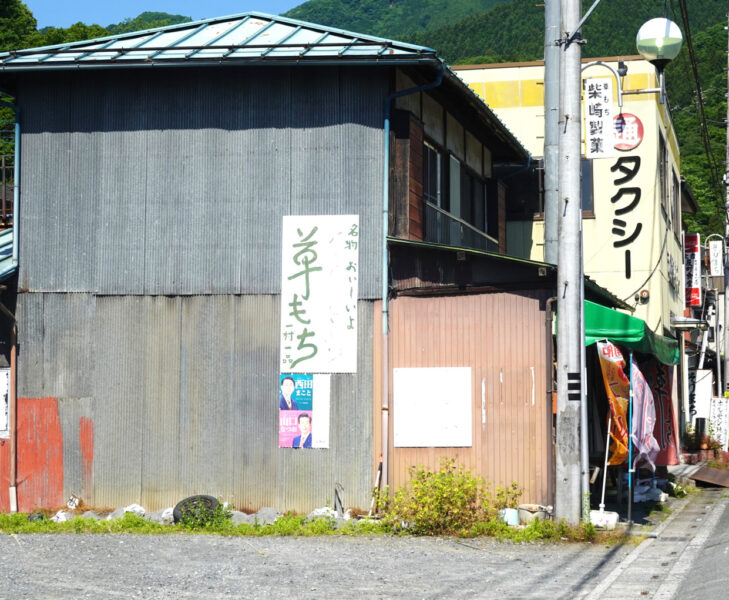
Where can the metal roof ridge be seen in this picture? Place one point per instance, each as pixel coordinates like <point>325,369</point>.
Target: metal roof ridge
<point>222,19</point>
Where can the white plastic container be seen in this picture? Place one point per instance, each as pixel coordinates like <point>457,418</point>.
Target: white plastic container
<point>604,519</point>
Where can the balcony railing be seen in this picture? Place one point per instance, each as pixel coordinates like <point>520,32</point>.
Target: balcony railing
<point>442,227</point>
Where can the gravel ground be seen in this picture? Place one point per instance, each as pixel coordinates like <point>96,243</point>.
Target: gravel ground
<point>51,567</point>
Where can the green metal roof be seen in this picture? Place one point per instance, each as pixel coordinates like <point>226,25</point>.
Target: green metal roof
<point>250,37</point>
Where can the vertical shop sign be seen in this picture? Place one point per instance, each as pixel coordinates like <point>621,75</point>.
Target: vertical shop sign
<point>599,137</point>
<point>720,421</point>
<point>716,258</point>
<point>692,268</point>
<point>320,264</point>
<point>626,227</point>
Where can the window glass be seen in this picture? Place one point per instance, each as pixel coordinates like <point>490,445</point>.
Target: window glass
<point>431,175</point>
<point>454,176</point>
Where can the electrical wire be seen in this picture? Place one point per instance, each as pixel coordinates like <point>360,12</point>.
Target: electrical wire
<point>713,165</point>
<point>655,268</point>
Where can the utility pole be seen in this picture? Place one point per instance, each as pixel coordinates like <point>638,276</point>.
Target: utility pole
<point>551,128</point>
<point>726,241</point>
<point>569,281</point>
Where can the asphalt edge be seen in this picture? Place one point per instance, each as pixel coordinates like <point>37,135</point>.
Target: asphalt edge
<point>626,562</point>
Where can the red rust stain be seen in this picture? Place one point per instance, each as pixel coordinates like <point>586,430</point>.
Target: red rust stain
<point>86,441</point>
<point>40,454</point>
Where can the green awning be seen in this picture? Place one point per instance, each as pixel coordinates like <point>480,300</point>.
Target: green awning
<point>631,332</point>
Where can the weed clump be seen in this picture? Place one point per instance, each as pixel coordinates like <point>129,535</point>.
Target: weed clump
<point>452,501</point>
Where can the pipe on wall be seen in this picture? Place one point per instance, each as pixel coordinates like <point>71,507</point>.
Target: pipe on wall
<point>548,326</point>
<point>385,406</point>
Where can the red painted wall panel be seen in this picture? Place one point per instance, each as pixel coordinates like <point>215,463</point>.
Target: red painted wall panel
<point>40,454</point>
<point>4,475</point>
<point>86,441</point>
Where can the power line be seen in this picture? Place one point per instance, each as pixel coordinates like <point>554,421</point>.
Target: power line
<point>713,167</point>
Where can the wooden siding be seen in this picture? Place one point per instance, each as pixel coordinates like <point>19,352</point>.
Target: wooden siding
<point>415,196</point>
<point>501,337</point>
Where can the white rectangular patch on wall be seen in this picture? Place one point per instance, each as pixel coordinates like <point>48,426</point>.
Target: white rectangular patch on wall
<point>433,407</point>
<point>319,274</point>
<point>4,401</point>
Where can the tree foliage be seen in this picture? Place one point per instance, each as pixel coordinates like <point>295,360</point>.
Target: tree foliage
<point>389,18</point>
<point>17,24</point>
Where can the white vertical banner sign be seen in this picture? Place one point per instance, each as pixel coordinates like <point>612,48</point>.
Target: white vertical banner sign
<point>599,132</point>
<point>720,421</point>
<point>320,263</point>
<point>716,256</point>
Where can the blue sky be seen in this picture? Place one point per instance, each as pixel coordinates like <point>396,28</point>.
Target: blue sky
<point>62,13</point>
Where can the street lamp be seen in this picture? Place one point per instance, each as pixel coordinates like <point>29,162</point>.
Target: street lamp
<point>659,42</point>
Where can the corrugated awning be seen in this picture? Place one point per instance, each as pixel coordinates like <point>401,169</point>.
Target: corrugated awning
<point>625,330</point>
<point>7,266</point>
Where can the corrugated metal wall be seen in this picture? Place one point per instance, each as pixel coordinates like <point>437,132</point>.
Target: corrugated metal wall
<point>182,396</point>
<point>501,336</point>
<point>175,182</point>
<point>150,266</point>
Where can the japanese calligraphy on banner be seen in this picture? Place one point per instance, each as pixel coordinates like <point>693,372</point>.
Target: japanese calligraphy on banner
<point>660,379</point>
<point>320,257</point>
<point>599,138</point>
<point>716,258</point>
<point>692,266</point>
<point>720,421</point>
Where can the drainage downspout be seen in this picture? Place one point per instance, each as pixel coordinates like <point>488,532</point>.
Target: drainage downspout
<point>385,408</point>
<point>548,321</point>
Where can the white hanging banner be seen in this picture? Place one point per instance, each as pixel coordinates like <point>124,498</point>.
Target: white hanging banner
<point>716,255</point>
<point>599,133</point>
<point>320,263</point>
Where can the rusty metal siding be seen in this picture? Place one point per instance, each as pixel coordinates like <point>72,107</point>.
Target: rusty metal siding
<point>176,182</point>
<point>184,399</point>
<point>501,336</point>
<point>76,480</point>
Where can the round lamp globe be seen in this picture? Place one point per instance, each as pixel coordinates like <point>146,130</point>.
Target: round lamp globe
<point>659,41</point>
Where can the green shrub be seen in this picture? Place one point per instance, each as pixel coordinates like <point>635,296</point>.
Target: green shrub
<point>201,516</point>
<point>448,501</point>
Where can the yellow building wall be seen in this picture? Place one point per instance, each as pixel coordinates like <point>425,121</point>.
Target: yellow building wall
<point>515,93</point>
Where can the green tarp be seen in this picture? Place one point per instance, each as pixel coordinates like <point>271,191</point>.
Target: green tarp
<point>631,332</point>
